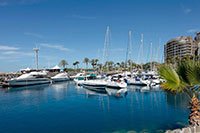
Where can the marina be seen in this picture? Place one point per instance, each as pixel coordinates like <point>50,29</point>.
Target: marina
<point>61,107</point>
<point>103,66</point>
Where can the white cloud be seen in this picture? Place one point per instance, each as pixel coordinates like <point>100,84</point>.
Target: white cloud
<point>17,53</point>
<point>7,48</point>
<point>83,17</point>
<point>192,30</point>
<point>187,10</point>
<point>19,2</point>
<point>3,3</point>
<point>33,34</point>
<point>55,46</point>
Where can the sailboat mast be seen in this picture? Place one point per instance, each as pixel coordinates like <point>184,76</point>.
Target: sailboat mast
<point>129,48</point>
<point>142,42</point>
<point>106,44</point>
<point>151,52</point>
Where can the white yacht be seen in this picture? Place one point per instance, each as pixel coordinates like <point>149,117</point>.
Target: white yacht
<point>116,83</point>
<point>78,75</point>
<point>138,81</point>
<point>32,78</point>
<point>60,77</point>
<point>95,84</point>
<point>79,80</point>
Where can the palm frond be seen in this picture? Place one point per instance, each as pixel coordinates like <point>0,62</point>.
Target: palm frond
<point>182,69</point>
<point>173,82</point>
<point>193,74</point>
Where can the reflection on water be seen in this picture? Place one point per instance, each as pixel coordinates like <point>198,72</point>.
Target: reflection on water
<point>92,92</point>
<point>60,107</point>
<point>29,88</point>
<point>178,100</point>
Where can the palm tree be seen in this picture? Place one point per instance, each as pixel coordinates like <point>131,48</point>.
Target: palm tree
<point>122,65</point>
<point>185,78</point>
<point>100,66</point>
<point>86,61</point>
<point>130,63</point>
<point>110,65</point>
<point>94,62</point>
<point>63,63</point>
<point>76,63</point>
<point>118,65</point>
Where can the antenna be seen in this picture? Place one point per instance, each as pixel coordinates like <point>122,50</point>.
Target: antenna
<point>36,50</point>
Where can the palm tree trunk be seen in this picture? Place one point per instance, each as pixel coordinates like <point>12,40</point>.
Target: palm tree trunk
<point>194,117</point>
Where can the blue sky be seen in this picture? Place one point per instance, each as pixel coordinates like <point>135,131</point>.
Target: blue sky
<point>74,29</point>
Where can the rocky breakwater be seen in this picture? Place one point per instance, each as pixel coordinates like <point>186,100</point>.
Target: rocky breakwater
<point>190,129</point>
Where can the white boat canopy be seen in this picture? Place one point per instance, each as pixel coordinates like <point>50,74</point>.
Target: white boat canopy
<point>26,69</point>
<point>56,67</point>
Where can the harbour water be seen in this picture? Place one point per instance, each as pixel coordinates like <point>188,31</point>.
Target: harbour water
<point>65,108</point>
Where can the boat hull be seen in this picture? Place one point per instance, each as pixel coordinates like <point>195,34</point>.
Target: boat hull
<point>60,79</point>
<point>138,83</point>
<point>115,85</point>
<point>94,86</point>
<point>28,82</point>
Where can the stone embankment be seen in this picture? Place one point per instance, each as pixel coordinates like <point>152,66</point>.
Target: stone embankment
<point>194,129</point>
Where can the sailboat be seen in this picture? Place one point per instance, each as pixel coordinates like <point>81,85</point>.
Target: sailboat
<point>135,79</point>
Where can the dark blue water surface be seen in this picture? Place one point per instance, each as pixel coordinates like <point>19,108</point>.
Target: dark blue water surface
<point>64,108</point>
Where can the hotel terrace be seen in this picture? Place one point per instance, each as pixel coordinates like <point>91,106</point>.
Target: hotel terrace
<point>180,47</point>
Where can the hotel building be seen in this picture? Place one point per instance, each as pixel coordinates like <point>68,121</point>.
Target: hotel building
<point>180,47</point>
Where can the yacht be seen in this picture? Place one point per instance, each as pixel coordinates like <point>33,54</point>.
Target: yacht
<point>116,83</point>
<point>32,78</point>
<point>138,81</point>
<point>78,75</point>
<point>79,80</point>
<point>95,84</point>
<point>60,77</point>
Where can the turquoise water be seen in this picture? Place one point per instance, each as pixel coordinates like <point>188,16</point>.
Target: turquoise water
<point>64,108</point>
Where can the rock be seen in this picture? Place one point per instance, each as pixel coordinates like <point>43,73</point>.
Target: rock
<point>186,130</point>
<point>177,131</point>
<point>192,129</point>
<point>197,129</point>
<point>131,132</point>
<point>168,131</point>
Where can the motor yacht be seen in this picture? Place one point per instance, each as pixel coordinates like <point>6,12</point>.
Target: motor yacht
<point>60,77</point>
<point>32,78</point>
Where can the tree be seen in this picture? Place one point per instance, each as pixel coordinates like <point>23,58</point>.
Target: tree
<point>110,65</point>
<point>63,63</point>
<point>86,61</point>
<point>130,62</point>
<point>118,65</point>
<point>76,63</point>
<point>185,78</point>
<point>123,65</point>
<point>94,62</point>
<point>100,66</point>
